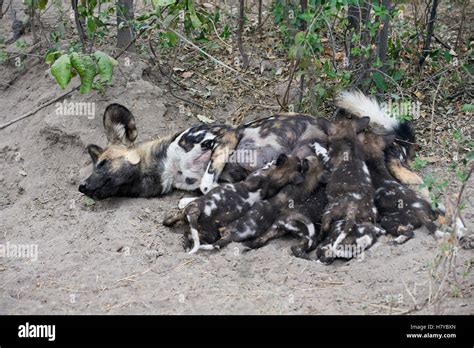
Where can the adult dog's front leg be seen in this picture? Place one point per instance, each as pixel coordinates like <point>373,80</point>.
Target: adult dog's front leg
<point>224,148</point>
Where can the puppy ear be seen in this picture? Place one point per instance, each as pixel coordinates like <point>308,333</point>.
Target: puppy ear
<point>304,165</point>
<point>281,160</point>
<point>324,124</point>
<point>94,151</point>
<point>119,125</point>
<point>324,178</point>
<point>362,123</point>
<point>297,179</point>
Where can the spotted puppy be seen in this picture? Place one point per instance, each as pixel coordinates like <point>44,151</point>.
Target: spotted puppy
<point>301,220</point>
<point>225,203</point>
<point>262,216</point>
<point>349,189</point>
<point>401,209</point>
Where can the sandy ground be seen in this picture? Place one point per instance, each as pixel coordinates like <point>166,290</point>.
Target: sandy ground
<point>115,257</point>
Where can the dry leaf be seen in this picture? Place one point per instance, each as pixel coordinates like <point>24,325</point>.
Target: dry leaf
<point>205,119</point>
<point>187,74</point>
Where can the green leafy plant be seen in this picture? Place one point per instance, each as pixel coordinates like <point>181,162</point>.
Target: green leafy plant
<point>95,70</point>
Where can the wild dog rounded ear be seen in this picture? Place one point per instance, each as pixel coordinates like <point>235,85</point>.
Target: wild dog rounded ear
<point>362,123</point>
<point>304,165</point>
<point>94,151</point>
<point>281,160</point>
<point>119,125</point>
<point>297,179</point>
<point>133,157</point>
<point>324,124</point>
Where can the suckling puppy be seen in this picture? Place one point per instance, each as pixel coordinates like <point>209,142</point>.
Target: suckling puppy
<point>349,188</point>
<point>264,214</point>
<point>401,209</point>
<point>223,204</point>
<point>360,237</point>
<point>302,220</point>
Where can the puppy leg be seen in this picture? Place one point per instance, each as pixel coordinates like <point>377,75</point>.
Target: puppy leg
<point>273,232</point>
<point>173,219</point>
<point>226,238</point>
<point>192,216</point>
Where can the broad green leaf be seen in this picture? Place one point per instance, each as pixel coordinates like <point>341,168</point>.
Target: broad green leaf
<point>379,80</point>
<point>299,38</point>
<point>52,56</point>
<point>91,25</point>
<point>193,16</point>
<point>61,70</point>
<point>86,69</point>
<point>467,107</point>
<point>106,66</point>
<point>41,4</point>
<point>470,156</point>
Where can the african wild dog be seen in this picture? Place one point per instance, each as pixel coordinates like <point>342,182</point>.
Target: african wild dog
<point>349,190</point>
<point>402,210</point>
<point>301,220</point>
<point>150,168</point>
<point>338,245</point>
<point>198,157</point>
<point>263,214</point>
<point>227,202</point>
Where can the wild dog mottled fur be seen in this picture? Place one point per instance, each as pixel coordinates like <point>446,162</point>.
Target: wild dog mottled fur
<point>228,202</point>
<point>302,221</point>
<point>401,209</point>
<point>337,245</point>
<point>263,214</point>
<point>349,189</point>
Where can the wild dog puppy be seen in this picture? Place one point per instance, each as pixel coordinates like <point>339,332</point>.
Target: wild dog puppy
<point>401,209</point>
<point>228,202</point>
<point>302,220</point>
<point>335,245</point>
<point>402,149</point>
<point>349,190</point>
<point>263,214</point>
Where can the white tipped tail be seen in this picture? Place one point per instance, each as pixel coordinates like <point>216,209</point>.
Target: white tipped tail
<point>360,105</point>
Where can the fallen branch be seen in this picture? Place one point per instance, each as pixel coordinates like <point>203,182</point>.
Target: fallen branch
<point>31,113</point>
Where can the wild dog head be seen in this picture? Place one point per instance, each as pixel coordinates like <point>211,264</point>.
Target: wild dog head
<point>116,167</point>
<point>342,138</point>
<point>276,174</point>
<point>374,145</point>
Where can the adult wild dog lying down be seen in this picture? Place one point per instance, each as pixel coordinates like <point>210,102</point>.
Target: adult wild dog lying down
<point>203,155</point>
<point>226,203</point>
<point>401,209</point>
<point>265,213</point>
